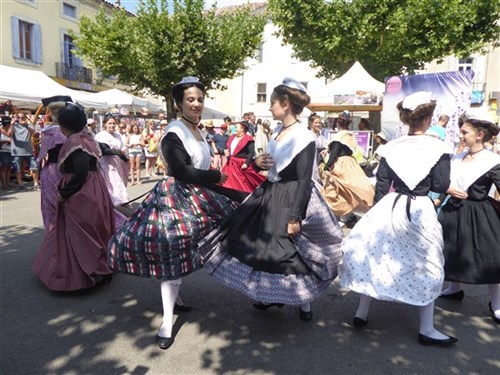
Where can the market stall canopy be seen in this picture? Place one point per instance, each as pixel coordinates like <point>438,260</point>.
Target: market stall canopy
<point>356,88</point>
<point>23,86</point>
<point>212,114</point>
<point>115,97</point>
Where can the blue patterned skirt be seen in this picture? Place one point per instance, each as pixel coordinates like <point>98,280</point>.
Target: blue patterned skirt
<point>259,225</point>
<point>160,240</point>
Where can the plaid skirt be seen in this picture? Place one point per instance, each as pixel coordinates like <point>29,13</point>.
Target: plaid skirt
<point>160,240</point>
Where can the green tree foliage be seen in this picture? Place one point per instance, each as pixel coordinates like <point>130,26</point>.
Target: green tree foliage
<point>155,49</point>
<point>387,37</point>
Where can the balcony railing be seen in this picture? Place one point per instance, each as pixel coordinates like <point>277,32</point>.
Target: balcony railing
<point>73,73</point>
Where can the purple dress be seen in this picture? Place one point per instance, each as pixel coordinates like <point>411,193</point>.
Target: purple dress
<point>51,141</point>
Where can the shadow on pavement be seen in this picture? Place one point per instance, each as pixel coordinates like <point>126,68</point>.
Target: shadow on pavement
<point>111,330</point>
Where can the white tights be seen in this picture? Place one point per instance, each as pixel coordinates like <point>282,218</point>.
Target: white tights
<point>169,294</point>
<point>426,317</point>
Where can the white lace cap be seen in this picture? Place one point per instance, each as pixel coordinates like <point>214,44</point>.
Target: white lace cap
<point>480,114</point>
<point>412,101</point>
<point>293,84</point>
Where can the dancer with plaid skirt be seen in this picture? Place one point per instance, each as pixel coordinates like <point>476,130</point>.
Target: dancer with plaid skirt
<point>161,239</point>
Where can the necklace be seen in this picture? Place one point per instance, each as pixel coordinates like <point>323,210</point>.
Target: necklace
<point>475,152</point>
<point>188,120</point>
<point>286,127</point>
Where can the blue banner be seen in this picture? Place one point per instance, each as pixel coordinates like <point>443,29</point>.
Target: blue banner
<point>452,90</point>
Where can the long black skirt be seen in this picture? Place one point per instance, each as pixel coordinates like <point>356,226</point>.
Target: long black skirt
<point>471,232</point>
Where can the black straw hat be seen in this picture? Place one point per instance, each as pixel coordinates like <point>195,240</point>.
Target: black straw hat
<point>56,98</point>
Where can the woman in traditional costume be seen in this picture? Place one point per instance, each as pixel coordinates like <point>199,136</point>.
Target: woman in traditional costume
<point>394,253</point>
<point>114,163</point>
<point>160,240</point>
<point>73,253</point>
<point>471,219</point>
<point>315,125</point>
<point>282,245</point>
<point>240,169</point>
<point>345,186</point>
<point>51,141</point>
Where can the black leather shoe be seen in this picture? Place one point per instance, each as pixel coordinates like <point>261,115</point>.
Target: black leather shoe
<point>429,341</point>
<point>306,316</point>
<point>265,306</point>
<point>457,296</point>
<point>103,279</point>
<point>182,308</point>
<point>497,321</point>
<point>358,322</point>
<point>164,342</point>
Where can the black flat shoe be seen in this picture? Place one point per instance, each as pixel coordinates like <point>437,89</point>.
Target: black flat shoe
<point>306,316</point>
<point>182,308</point>
<point>265,306</point>
<point>457,296</point>
<point>164,342</point>
<point>429,341</point>
<point>497,321</point>
<point>358,322</point>
<point>103,280</point>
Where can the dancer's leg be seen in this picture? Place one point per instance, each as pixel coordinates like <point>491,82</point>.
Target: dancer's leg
<point>363,307</point>
<point>169,293</point>
<point>453,287</point>
<point>427,323</point>
<point>495,298</point>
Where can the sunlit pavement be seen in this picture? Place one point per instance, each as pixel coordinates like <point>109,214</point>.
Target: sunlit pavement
<point>111,330</point>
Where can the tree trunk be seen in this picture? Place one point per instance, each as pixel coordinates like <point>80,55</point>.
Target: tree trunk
<point>171,113</point>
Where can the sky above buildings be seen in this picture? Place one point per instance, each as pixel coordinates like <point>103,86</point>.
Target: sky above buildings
<point>131,5</point>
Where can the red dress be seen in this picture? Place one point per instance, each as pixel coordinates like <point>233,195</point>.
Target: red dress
<point>242,179</point>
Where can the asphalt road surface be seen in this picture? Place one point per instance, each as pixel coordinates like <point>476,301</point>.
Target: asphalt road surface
<point>111,330</point>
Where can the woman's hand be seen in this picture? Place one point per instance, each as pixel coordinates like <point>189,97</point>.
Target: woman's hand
<point>293,228</point>
<point>457,193</point>
<point>264,161</point>
<point>60,198</point>
<point>244,166</point>
<point>223,178</point>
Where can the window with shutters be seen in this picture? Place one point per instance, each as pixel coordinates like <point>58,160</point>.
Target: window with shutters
<point>70,57</point>
<point>26,41</point>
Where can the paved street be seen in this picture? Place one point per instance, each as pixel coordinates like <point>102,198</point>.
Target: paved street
<point>111,330</point>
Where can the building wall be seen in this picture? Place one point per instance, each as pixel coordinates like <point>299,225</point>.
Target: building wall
<point>53,23</point>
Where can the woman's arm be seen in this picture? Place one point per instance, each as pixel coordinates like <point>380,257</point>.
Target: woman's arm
<point>79,163</point>
<point>304,168</point>
<point>250,150</point>
<point>180,164</point>
<point>384,180</point>
<point>441,175</point>
<point>305,165</point>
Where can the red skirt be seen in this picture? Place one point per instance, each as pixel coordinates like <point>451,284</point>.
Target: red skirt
<point>241,179</point>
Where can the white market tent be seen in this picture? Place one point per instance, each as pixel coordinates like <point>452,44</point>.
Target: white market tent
<point>354,80</point>
<point>115,97</point>
<point>26,86</point>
